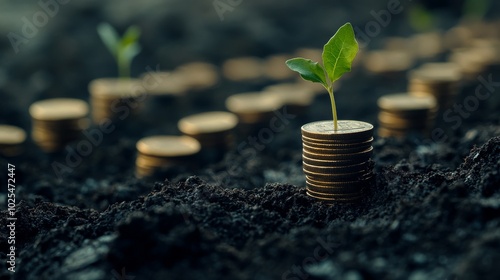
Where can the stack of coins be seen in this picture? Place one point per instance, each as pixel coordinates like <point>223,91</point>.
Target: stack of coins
<point>427,45</point>
<point>296,97</point>
<point>11,140</point>
<point>440,80</point>
<point>275,67</point>
<point>337,163</point>
<point>56,122</point>
<point>110,97</point>
<point>391,64</point>
<point>165,84</point>
<point>156,153</point>
<point>401,114</point>
<point>211,129</point>
<point>198,75</point>
<point>243,69</point>
<point>253,108</point>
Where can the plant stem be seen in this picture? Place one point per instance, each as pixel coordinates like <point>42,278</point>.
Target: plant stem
<point>123,68</point>
<point>334,109</point>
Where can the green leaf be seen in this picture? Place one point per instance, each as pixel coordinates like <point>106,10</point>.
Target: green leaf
<point>109,36</point>
<point>339,52</point>
<point>131,36</point>
<point>308,69</point>
<point>476,9</point>
<point>130,51</point>
<point>420,18</point>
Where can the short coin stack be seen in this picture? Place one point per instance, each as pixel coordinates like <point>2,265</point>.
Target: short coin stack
<point>253,109</point>
<point>401,114</point>
<point>440,80</point>
<point>109,97</point>
<point>211,129</point>
<point>11,140</point>
<point>56,122</point>
<point>160,152</point>
<point>337,163</point>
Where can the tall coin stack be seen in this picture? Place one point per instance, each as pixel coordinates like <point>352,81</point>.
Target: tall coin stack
<point>253,109</point>
<point>401,114</point>
<point>337,163</point>
<point>440,80</point>
<point>56,122</point>
<point>109,97</point>
<point>160,152</point>
<point>211,129</point>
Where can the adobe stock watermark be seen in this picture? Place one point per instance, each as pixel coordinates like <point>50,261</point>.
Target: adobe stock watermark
<point>320,253</point>
<point>94,136</point>
<point>256,143</point>
<point>48,10</point>
<point>460,111</point>
<point>223,6</point>
<point>382,19</point>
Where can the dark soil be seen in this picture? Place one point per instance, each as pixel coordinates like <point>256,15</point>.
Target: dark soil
<point>434,212</point>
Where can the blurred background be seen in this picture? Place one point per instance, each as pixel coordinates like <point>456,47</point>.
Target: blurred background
<point>65,53</point>
<point>51,49</point>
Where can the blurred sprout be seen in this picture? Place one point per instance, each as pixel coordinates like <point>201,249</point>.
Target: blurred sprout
<point>123,49</point>
<point>475,9</point>
<point>420,18</point>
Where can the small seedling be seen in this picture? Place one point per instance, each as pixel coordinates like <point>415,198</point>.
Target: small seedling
<point>337,57</point>
<point>123,49</point>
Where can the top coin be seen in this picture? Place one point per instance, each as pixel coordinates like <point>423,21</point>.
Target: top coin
<point>406,102</point>
<point>59,109</point>
<point>11,135</point>
<point>116,88</point>
<point>437,72</point>
<point>210,122</point>
<point>253,102</point>
<point>346,129</point>
<point>168,146</point>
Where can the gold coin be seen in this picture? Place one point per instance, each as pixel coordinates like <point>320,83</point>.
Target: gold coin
<point>252,102</point>
<point>290,94</point>
<point>338,145</point>
<point>11,135</point>
<point>335,153</point>
<point>275,67</point>
<point>59,109</point>
<point>346,130</point>
<point>334,141</point>
<point>319,162</point>
<point>442,72</point>
<point>388,61</point>
<point>406,102</point>
<point>363,181</point>
<point>199,75</point>
<point>332,155</point>
<point>339,190</point>
<point>334,195</point>
<point>336,199</point>
<point>340,177</point>
<point>243,68</point>
<point>168,146</point>
<point>206,123</point>
<point>116,88</point>
<point>334,169</point>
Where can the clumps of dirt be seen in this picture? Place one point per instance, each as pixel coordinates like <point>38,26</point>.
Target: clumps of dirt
<point>416,223</point>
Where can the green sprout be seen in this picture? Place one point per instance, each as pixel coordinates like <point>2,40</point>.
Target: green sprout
<point>338,55</point>
<point>123,49</point>
<point>476,9</point>
<point>420,18</point>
